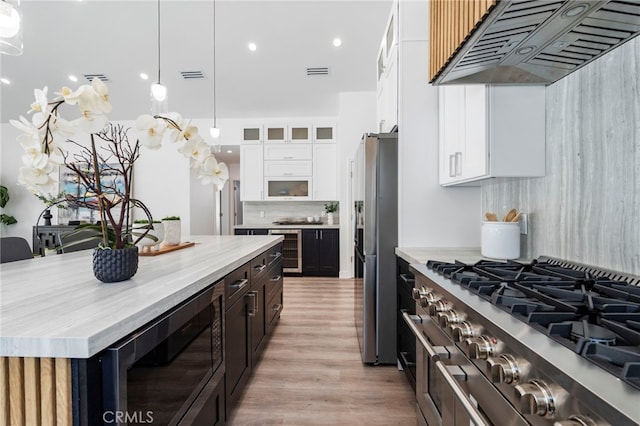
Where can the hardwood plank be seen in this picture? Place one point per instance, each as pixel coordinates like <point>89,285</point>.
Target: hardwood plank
<point>47,390</point>
<point>4,392</point>
<point>311,371</point>
<point>64,414</point>
<point>16,391</point>
<point>32,390</point>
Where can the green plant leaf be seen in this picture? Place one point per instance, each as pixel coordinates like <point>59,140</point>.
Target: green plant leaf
<point>4,196</point>
<point>5,219</point>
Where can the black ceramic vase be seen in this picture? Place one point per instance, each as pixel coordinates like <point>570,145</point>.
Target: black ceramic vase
<point>110,266</point>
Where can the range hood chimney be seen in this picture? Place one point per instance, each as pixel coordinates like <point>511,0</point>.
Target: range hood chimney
<point>540,41</point>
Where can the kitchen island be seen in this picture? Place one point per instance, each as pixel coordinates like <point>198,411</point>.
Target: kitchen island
<point>53,310</point>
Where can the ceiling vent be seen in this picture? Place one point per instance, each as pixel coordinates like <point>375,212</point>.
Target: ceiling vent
<point>318,71</point>
<point>192,75</point>
<point>102,77</point>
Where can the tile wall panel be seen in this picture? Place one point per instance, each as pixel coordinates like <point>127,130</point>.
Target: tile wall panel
<point>587,207</point>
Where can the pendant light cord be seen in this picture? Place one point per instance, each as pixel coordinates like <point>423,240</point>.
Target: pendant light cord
<point>215,62</point>
<point>158,41</point>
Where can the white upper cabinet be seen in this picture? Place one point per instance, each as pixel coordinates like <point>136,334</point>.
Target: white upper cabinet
<point>251,172</point>
<point>289,133</point>
<point>275,133</point>
<point>325,172</point>
<point>300,133</point>
<point>490,132</point>
<point>252,134</point>
<point>288,152</point>
<point>387,104</point>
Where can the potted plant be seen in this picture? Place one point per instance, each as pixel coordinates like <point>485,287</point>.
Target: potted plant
<point>331,208</point>
<point>154,231</point>
<point>5,219</point>
<point>172,230</point>
<point>109,152</point>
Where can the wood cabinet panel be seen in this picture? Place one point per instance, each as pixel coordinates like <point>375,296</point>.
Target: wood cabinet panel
<point>450,23</point>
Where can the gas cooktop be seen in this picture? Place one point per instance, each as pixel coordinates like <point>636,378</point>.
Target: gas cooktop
<point>593,312</point>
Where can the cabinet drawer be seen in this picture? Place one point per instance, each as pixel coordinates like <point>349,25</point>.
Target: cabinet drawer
<point>274,254</point>
<point>288,152</point>
<point>288,168</point>
<point>274,308</point>
<point>236,284</point>
<point>259,266</point>
<point>274,280</point>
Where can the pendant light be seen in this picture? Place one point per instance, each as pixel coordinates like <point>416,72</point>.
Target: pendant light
<point>214,131</point>
<point>10,28</point>
<point>158,91</point>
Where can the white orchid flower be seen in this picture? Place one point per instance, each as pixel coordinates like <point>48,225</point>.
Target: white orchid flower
<point>62,127</point>
<point>102,99</point>
<point>41,102</point>
<point>91,121</point>
<point>33,153</point>
<point>71,96</point>
<point>196,149</point>
<point>150,131</point>
<point>213,172</point>
<point>24,125</point>
<point>39,180</point>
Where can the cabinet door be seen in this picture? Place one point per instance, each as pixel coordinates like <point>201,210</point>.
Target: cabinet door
<point>300,133</point>
<point>258,316</point>
<point>324,133</point>
<point>325,173</point>
<point>451,114</point>
<point>252,134</point>
<point>251,166</point>
<point>237,350</point>
<point>328,252</point>
<point>474,162</point>
<point>310,252</point>
<point>276,133</point>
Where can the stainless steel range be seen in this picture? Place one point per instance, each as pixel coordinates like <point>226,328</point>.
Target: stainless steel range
<point>540,343</point>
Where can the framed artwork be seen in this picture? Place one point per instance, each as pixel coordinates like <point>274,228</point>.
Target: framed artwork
<point>112,182</point>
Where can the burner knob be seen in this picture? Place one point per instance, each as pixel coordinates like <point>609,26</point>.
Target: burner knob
<point>480,347</point>
<point>576,420</point>
<point>429,299</point>
<point>503,369</point>
<point>462,331</point>
<point>536,398</point>
<point>418,293</point>
<point>448,318</point>
<point>439,306</point>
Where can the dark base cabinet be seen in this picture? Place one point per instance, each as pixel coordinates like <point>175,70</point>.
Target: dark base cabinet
<point>255,231</point>
<point>249,318</point>
<point>320,252</point>
<point>406,342</point>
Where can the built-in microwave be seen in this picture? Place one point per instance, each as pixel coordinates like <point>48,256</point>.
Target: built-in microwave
<point>287,188</point>
<point>171,371</point>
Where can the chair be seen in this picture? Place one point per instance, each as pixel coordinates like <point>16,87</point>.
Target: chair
<point>66,241</point>
<point>14,248</point>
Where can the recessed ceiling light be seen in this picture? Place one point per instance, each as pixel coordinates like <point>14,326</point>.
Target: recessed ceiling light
<point>229,151</point>
<point>73,78</point>
<point>252,47</point>
<point>337,42</point>
<point>5,80</point>
<point>144,76</point>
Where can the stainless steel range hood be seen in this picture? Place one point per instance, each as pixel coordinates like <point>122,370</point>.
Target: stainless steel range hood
<point>540,41</point>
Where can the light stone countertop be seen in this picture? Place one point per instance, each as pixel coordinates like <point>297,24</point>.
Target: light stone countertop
<point>443,254</point>
<point>54,306</point>
<point>297,226</point>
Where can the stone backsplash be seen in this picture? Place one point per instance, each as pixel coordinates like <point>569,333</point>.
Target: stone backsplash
<point>265,213</point>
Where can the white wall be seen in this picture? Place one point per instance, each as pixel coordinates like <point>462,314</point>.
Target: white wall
<point>357,116</point>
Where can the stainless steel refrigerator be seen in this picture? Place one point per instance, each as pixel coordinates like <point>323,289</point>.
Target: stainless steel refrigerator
<point>375,194</point>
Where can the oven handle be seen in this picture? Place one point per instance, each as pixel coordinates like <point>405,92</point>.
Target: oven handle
<point>411,322</point>
<point>471,410</point>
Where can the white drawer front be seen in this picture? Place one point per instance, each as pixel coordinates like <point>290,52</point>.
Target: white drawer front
<point>288,168</point>
<point>288,152</point>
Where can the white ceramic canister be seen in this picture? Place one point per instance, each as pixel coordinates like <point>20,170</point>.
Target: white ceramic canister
<point>500,240</point>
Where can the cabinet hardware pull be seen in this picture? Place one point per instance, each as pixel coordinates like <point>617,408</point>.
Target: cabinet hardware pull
<point>288,158</point>
<point>253,310</point>
<point>276,278</point>
<point>240,284</point>
<point>406,362</point>
<point>259,268</point>
<point>431,351</point>
<point>321,237</point>
<point>458,163</point>
<point>474,415</point>
<point>288,174</point>
<point>277,307</point>
<point>452,165</point>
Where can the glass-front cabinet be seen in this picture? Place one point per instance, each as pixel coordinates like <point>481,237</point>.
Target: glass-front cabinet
<point>288,188</point>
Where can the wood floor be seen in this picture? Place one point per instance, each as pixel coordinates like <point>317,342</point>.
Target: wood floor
<point>311,372</point>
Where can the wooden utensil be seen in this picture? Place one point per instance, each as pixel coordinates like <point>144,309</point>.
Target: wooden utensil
<point>510,215</point>
<point>491,217</point>
<point>516,218</point>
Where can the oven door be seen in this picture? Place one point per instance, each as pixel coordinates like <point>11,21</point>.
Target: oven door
<point>441,398</point>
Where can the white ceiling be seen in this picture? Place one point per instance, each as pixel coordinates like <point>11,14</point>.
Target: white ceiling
<point>119,39</point>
